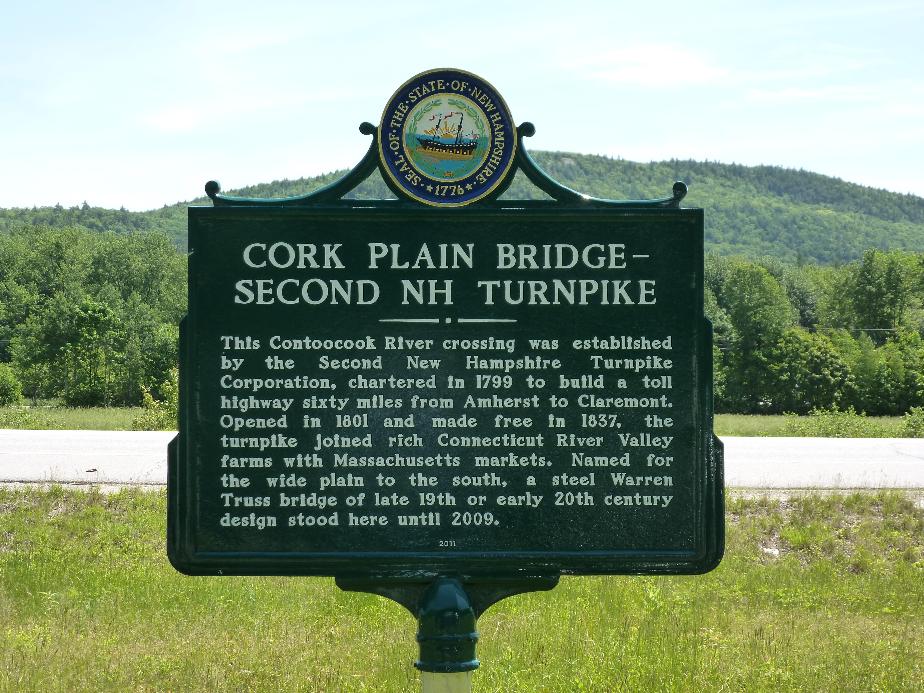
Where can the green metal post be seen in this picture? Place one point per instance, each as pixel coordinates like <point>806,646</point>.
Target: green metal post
<point>447,636</point>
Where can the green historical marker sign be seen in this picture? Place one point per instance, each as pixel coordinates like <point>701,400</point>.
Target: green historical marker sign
<point>433,389</point>
<point>401,392</point>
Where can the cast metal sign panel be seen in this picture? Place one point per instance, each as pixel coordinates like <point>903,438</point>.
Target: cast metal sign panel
<point>394,390</point>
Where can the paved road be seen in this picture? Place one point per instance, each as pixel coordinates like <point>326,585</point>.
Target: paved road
<point>103,457</point>
<point>824,462</point>
<point>110,457</point>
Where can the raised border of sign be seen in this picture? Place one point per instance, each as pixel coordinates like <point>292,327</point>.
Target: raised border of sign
<point>707,491</point>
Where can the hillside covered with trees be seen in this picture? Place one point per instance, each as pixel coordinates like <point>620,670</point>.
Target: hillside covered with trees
<point>815,287</point>
<point>756,211</point>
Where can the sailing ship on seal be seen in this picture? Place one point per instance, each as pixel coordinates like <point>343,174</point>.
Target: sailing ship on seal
<point>436,145</point>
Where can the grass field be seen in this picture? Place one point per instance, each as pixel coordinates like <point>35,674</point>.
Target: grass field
<point>120,419</point>
<point>69,418</point>
<point>748,425</point>
<point>815,594</point>
<point>761,425</point>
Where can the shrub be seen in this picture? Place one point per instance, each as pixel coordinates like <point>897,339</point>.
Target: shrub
<point>806,373</point>
<point>912,425</point>
<point>10,387</point>
<point>160,415</point>
<point>833,423</point>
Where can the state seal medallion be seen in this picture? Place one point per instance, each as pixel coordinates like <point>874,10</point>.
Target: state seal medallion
<point>447,138</point>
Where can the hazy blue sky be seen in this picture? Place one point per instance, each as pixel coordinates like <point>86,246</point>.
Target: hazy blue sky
<point>138,104</point>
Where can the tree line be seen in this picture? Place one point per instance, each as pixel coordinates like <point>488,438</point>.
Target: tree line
<point>792,338</point>
<point>87,317</point>
<point>751,210</point>
<point>92,318</point>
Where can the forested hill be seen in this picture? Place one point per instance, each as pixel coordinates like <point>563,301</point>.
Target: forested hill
<point>750,210</point>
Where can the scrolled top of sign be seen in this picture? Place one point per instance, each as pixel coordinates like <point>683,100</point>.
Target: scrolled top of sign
<point>447,139</point>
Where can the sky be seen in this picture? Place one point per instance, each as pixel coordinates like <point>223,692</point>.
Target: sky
<point>137,105</point>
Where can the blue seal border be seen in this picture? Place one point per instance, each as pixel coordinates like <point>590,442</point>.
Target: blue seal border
<point>393,157</point>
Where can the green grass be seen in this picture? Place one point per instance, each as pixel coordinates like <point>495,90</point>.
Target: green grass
<point>748,425</point>
<point>68,418</point>
<point>768,425</point>
<point>815,593</point>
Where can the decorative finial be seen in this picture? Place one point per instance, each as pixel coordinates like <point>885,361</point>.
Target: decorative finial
<point>526,129</point>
